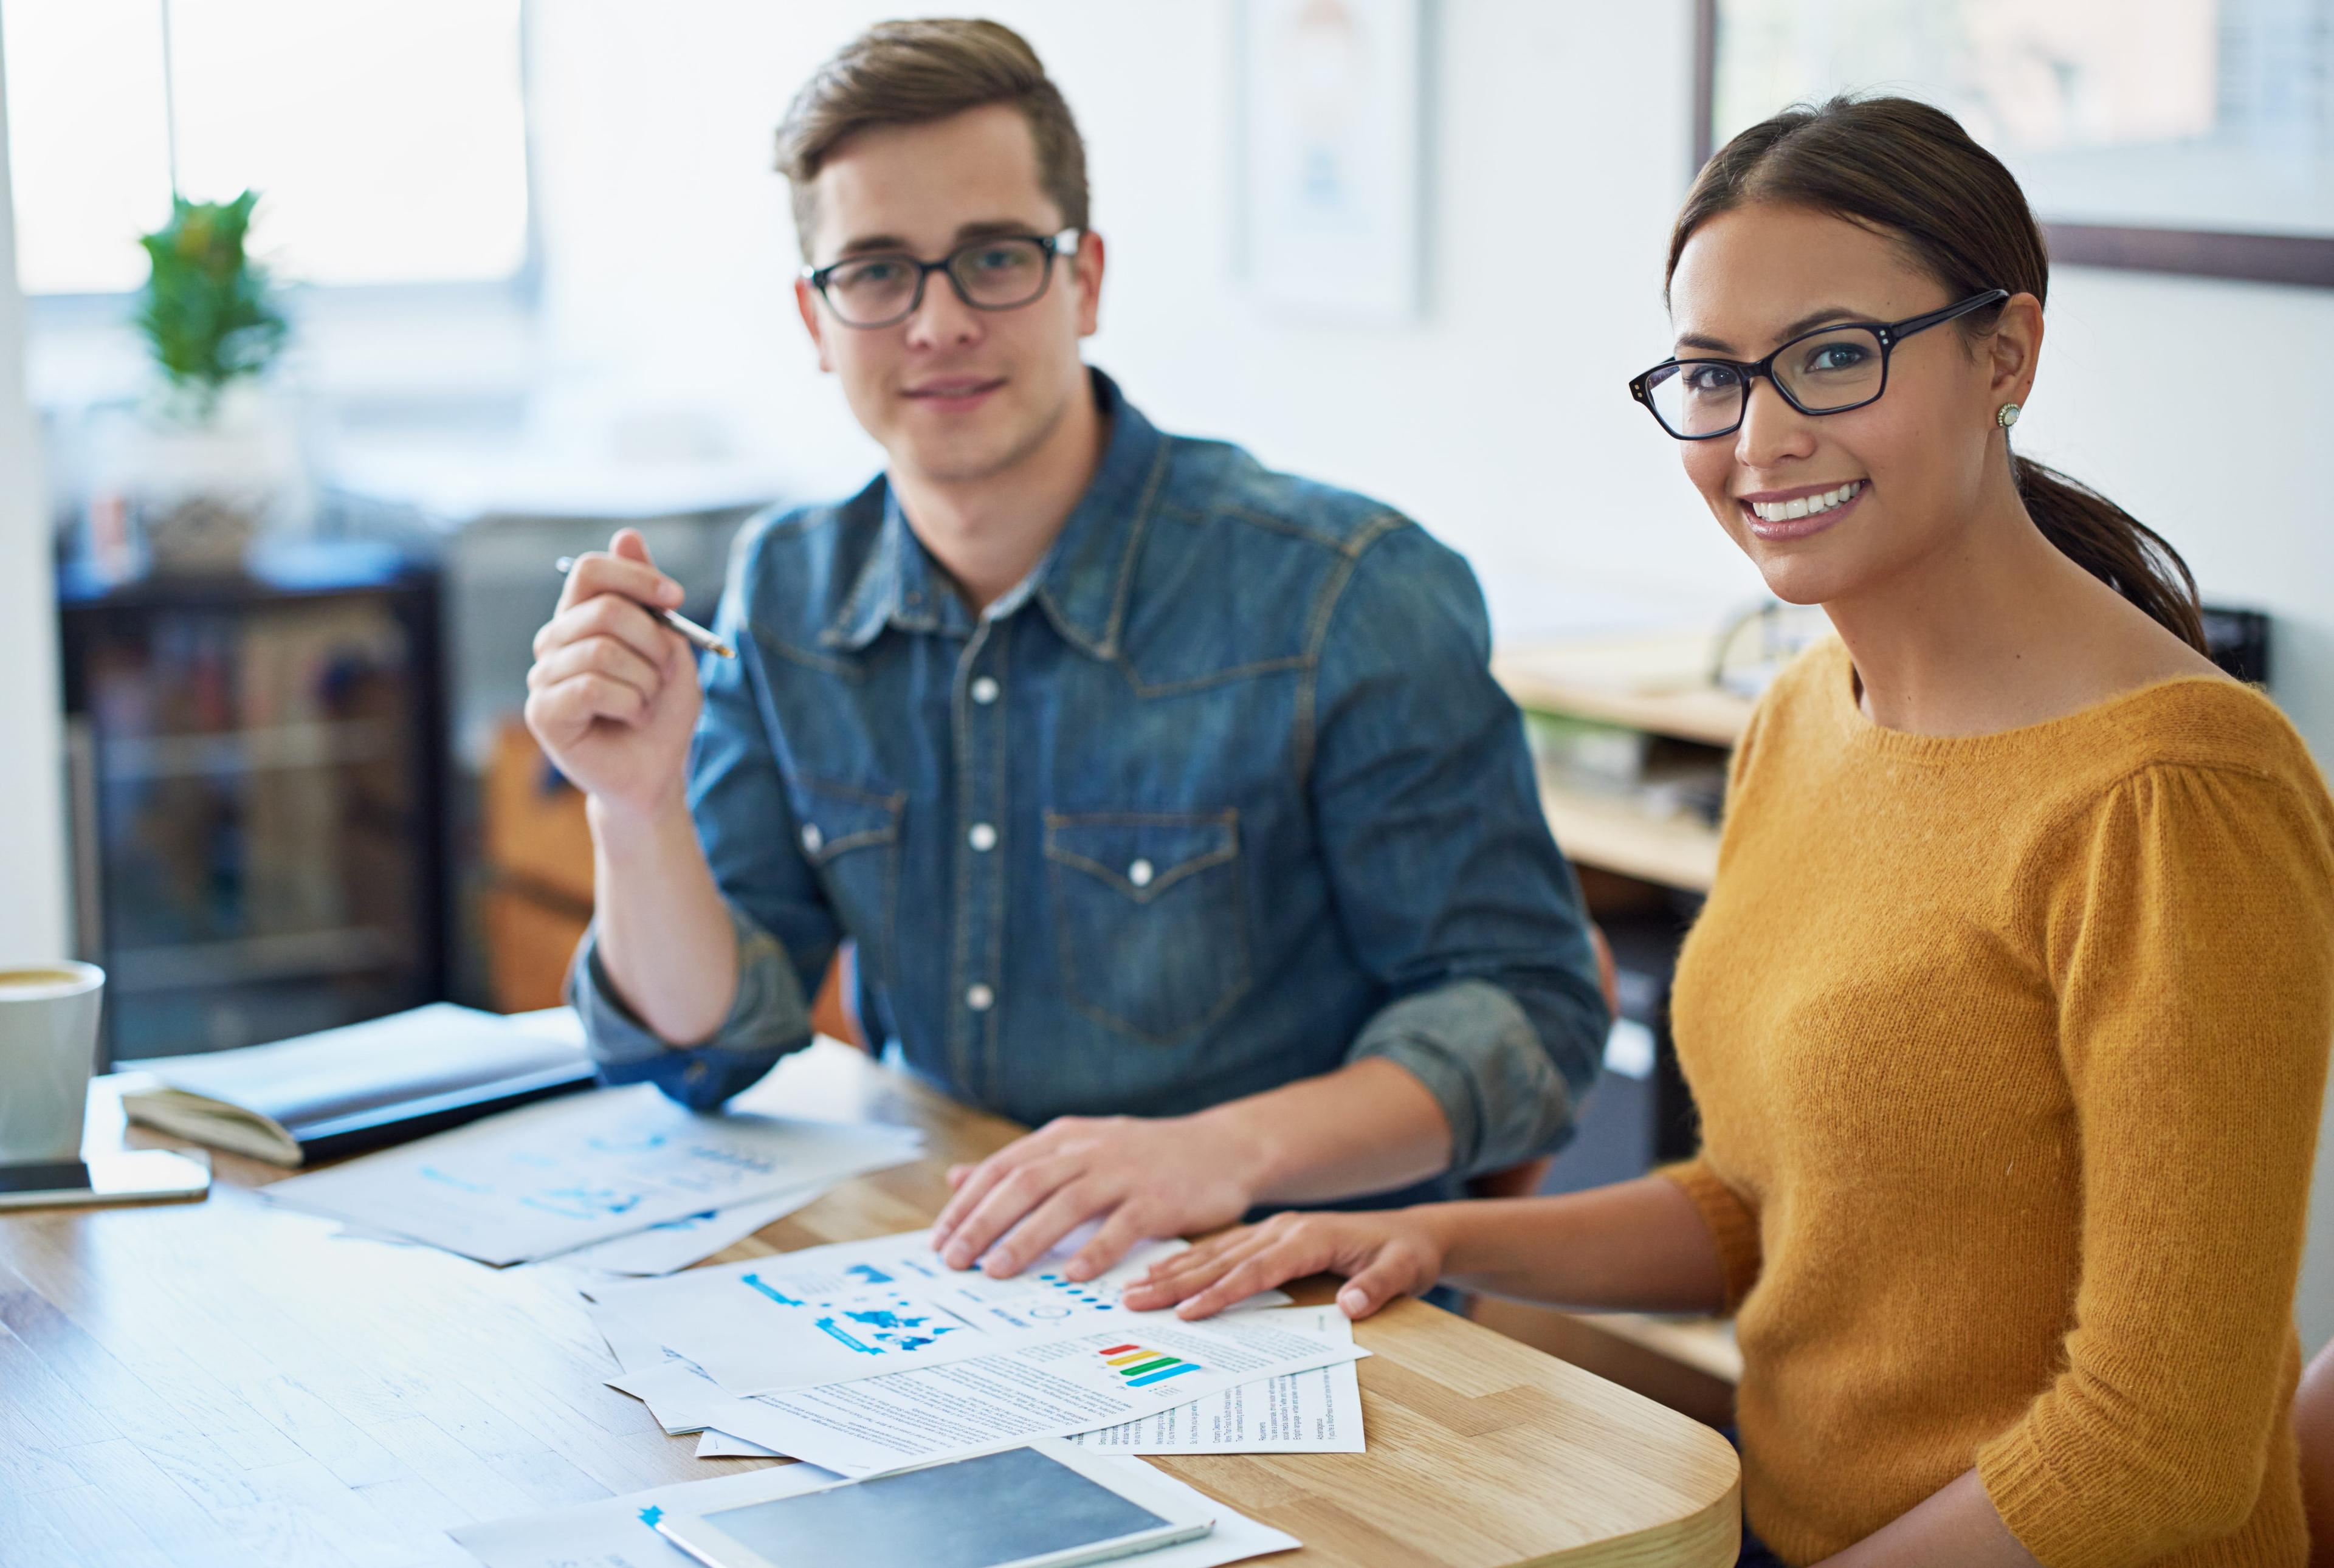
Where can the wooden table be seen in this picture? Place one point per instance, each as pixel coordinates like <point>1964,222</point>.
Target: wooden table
<point>230,1383</point>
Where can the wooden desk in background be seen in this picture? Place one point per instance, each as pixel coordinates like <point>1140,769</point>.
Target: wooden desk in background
<point>229,1383</point>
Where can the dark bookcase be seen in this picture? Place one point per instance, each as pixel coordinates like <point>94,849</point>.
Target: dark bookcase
<point>258,791</point>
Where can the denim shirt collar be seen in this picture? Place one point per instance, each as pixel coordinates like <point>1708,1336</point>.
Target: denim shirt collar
<point>1082,583</point>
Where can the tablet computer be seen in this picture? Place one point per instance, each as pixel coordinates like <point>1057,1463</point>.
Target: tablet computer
<point>1050,1505</point>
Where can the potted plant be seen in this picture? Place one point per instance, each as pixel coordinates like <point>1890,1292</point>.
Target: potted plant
<point>214,458</point>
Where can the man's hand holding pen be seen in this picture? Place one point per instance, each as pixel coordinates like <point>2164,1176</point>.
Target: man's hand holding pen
<point>612,697</point>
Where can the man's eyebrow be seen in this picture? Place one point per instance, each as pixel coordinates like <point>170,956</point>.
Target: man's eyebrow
<point>984,228</point>
<point>990,228</point>
<point>1806,324</point>
<point>871,242</point>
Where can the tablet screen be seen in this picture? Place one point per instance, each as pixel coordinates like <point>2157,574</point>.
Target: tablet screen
<point>973,1514</point>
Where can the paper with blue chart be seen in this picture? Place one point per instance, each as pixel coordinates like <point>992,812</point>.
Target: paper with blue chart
<point>1020,1392</point>
<point>871,1355</point>
<point>860,1309</point>
<point>547,1178</point>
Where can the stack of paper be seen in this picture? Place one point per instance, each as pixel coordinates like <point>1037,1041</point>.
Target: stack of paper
<point>583,1172</point>
<point>872,1356</point>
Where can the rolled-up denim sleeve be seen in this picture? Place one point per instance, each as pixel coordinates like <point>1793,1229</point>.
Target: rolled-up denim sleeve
<point>784,932</point>
<point>770,1018</point>
<point>1449,885</point>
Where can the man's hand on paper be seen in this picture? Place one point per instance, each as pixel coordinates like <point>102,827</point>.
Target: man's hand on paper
<point>612,697</point>
<point>1141,1177</point>
<point>1383,1256</point>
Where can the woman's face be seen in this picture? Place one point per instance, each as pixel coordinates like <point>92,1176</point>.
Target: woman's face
<point>1905,474</point>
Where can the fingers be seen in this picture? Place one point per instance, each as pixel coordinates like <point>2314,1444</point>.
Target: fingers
<point>608,656</point>
<point>1258,1268</point>
<point>1066,1208</point>
<point>606,615</point>
<point>1178,1275</point>
<point>1120,1231</point>
<point>1388,1276</point>
<point>972,1186</point>
<point>625,569</point>
<point>1231,1267</point>
<point>560,712</point>
<point>1005,1203</point>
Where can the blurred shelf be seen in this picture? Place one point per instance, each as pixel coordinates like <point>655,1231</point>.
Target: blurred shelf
<point>1614,835</point>
<point>288,745</point>
<point>1658,683</point>
<point>352,950</point>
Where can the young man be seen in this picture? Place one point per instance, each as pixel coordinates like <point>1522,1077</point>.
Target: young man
<point>1167,801</point>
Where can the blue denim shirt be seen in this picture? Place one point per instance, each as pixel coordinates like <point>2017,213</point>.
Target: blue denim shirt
<point>1222,796</point>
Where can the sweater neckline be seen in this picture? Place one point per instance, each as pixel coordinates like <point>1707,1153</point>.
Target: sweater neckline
<point>1911,746</point>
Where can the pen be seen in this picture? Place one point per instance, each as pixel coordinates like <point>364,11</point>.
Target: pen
<point>674,619</point>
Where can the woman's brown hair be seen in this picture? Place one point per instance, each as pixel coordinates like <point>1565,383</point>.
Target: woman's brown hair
<point>1908,170</point>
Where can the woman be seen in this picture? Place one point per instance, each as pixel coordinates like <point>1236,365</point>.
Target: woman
<point>2008,1014</point>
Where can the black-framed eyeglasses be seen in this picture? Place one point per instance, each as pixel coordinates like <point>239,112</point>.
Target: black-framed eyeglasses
<point>884,288</point>
<point>1828,370</point>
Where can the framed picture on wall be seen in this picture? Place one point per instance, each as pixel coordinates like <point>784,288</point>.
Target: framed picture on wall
<point>2184,136</point>
<point>1330,152</point>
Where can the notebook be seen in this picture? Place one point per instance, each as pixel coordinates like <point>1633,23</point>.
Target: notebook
<point>359,1087</point>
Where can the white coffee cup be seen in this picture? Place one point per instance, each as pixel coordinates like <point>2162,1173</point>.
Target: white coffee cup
<point>48,1050</point>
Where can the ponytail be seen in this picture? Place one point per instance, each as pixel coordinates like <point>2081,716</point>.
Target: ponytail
<point>1909,170</point>
<point>2113,546</point>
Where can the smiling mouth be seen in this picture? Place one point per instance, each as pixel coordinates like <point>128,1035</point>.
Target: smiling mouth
<point>954,391</point>
<point>1809,506</point>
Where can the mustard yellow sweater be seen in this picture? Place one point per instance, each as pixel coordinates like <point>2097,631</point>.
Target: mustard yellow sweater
<point>2008,1050</point>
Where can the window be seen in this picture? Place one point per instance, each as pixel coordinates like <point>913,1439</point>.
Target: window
<point>387,137</point>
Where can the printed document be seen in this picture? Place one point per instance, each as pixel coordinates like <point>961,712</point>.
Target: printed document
<point>548,1178</point>
<point>861,1309</point>
<point>1052,1388</point>
<point>666,1249</point>
<point>1314,1412</point>
<point>618,1532</point>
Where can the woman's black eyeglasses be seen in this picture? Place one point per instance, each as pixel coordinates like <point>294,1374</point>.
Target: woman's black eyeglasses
<point>884,288</point>
<point>1828,370</point>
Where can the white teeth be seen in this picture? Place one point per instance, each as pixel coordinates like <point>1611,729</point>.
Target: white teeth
<point>1805,505</point>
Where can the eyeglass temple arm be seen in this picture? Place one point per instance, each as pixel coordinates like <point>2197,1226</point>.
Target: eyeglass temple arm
<point>1905,329</point>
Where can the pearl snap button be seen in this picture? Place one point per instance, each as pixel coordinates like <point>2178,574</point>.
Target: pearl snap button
<point>983,838</point>
<point>812,837</point>
<point>984,691</point>
<point>980,998</point>
<point>1140,873</point>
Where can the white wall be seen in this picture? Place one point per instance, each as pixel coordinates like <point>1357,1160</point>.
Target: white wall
<point>32,819</point>
<point>1558,157</point>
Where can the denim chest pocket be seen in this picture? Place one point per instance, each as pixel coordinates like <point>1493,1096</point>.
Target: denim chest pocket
<point>1150,919</point>
<point>851,837</point>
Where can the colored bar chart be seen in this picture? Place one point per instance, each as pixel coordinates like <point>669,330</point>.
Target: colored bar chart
<point>1141,1366</point>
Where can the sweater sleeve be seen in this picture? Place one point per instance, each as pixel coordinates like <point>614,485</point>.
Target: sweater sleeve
<point>1733,1224</point>
<point>2192,951</point>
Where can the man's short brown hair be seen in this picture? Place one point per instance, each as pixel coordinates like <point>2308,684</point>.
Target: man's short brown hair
<point>909,72</point>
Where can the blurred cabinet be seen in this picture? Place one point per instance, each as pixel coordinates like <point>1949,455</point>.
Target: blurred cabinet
<point>537,899</point>
<point>258,791</point>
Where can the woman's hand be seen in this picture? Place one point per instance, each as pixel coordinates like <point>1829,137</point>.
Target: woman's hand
<point>1383,1256</point>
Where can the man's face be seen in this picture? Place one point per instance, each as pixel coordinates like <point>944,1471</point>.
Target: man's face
<point>954,394</point>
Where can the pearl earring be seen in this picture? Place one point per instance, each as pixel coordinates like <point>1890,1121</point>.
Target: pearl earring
<point>2006,415</point>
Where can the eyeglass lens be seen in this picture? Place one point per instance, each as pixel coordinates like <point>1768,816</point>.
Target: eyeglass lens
<point>995,275</point>
<point>1824,373</point>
